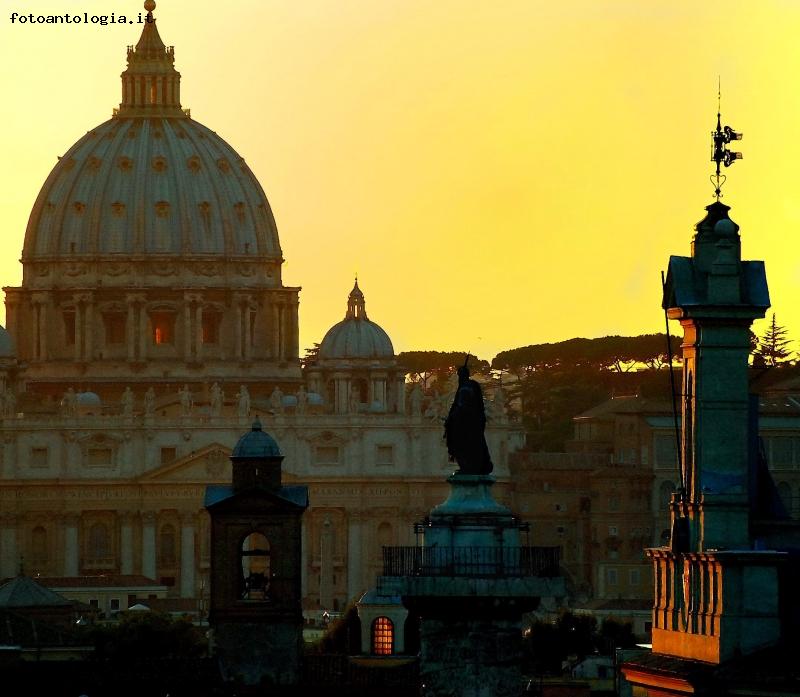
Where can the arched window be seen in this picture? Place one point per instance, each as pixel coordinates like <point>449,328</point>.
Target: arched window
<point>166,545</point>
<point>362,390</point>
<point>382,636</point>
<point>665,492</point>
<point>99,543</point>
<point>39,544</point>
<point>256,573</point>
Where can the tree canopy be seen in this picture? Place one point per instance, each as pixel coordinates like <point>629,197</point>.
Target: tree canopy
<point>773,346</point>
<point>616,353</point>
<point>427,367</point>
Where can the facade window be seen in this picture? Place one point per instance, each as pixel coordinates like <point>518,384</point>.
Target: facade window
<point>168,455</point>
<point>211,323</point>
<point>782,452</point>
<point>384,456</point>
<point>113,605</point>
<point>99,542</point>
<point>99,457</point>
<point>613,503</point>
<point>634,577</point>
<point>69,328</point>
<point>167,546</point>
<point>163,324</point>
<point>40,457</point>
<point>256,573</point>
<point>326,455</point>
<point>665,451</point>
<point>115,327</point>
<point>611,577</point>
<point>560,530</point>
<point>382,636</point>
<point>613,530</point>
<point>39,545</point>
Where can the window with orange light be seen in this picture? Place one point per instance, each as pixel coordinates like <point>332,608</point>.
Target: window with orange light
<point>382,636</point>
<point>163,324</point>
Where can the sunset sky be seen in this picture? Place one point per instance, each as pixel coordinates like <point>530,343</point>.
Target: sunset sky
<point>497,173</point>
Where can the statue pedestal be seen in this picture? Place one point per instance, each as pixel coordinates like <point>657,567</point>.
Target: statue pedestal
<point>470,517</point>
<point>470,583</point>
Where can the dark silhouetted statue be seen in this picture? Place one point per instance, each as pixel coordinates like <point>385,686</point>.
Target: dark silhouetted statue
<point>464,427</point>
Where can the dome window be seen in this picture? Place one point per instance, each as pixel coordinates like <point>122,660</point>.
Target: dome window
<point>224,165</point>
<point>125,164</point>
<point>163,324</point>
<point>79,207</point>
<point>238,208</point>
<point>211,322</point>
<point>93,164</point>
<point>162,209</point>
<point>115,327</point>
<point>118,209</point>
<point>160,164</point>
<point>193,163</point>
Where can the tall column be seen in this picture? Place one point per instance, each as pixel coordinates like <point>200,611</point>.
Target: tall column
<point>144,335</point>
<point>88,333</point>
<point>187,329</point>
<point>238,334</point>
<point>149,544</point>
<point>78,329</point>
<point>305,555</point>
<point>247,314</point>
<point>400,395</point>
<point>126,543</point>
<point>39,307</point>
<point>130,329</point>
<point>276,329</point>
<point>9,558</point>
<point>294,335</point>
<point>354,543</point>
<point>198,331</point>
<point>71,549</point>
<point>326,565</point>
<point>187,556</point>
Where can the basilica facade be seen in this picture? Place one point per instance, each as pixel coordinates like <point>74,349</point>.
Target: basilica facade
<point>151,327</point>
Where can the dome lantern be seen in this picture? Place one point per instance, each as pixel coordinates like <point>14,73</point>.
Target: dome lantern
<point>150,85</point>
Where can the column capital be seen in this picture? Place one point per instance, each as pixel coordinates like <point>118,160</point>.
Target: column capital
<point>148,517</point>
<point>8,520</point>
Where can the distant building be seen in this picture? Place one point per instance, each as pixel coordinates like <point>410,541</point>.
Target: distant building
<point>151,325</point>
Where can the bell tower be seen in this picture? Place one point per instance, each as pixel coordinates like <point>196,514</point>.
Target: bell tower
<point>255,608</point>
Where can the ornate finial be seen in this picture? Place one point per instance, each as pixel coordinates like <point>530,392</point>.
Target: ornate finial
<point>149,5</point>
<point>720,154</point>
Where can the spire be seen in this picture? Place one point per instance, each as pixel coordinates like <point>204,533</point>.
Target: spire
<point>356,307</point>
<point>150,86</point>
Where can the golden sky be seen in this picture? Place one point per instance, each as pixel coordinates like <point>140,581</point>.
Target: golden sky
<point>499,173</point>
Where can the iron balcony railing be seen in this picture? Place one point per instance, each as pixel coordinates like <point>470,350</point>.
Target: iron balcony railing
<point>479,562</point>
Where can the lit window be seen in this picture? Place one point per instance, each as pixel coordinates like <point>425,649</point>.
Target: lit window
<point>256,567</point>
<point>382,636</point>
<point>163,327</point>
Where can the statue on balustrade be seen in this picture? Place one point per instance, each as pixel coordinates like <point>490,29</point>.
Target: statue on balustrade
<point>465,425</point>
<point>302,400</point>
<point>186,401</point>
<point>276,400</point>
<point>217,400</point>
<point>149,402</point>
<point>127,402</point>
<point>243,401</point>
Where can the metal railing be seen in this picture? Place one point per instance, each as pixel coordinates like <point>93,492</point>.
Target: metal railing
<point>477,562</point>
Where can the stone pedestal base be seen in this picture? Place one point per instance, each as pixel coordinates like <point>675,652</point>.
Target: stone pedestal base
<point>470,658</point>
<point>260,654</point>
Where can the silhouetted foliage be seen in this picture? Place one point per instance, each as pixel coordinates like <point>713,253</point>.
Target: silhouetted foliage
<point>617,353</point>
<point>773,347</point>
<point>343,636</point>
<point>147,635</point>
<point>549,644</point>
<point>311,357</point>
<point>427,367</point>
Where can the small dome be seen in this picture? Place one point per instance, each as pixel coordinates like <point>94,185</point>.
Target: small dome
<point>256,443</point>
<point>356,336</point>
<point>6,344</point>
<point>88,399</point>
